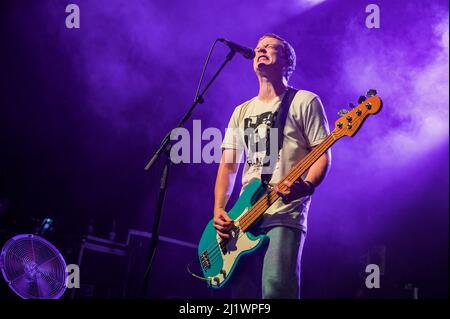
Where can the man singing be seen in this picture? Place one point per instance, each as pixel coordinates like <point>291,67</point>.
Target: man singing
<point>285,221</point>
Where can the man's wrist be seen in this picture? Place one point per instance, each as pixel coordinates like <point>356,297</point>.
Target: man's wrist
<point>312,188</point>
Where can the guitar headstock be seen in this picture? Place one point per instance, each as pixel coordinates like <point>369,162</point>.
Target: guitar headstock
<point>350,121</point>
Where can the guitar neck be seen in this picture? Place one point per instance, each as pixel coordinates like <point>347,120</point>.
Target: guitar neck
<point>253,214</point>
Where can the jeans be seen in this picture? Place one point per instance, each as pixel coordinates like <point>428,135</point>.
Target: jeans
<point>272,272</point>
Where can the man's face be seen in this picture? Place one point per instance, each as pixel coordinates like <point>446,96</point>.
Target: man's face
<point>269,56</point>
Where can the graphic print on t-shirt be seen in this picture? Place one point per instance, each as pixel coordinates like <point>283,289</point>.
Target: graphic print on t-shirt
<point>257,139</point>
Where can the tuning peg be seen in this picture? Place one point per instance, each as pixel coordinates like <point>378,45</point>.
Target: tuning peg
<point>361,99</point>
<point>351,105</point>
<point>371,92</point>
<point>342,112</point>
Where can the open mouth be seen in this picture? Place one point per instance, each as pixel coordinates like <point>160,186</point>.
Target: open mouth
<point>262,58</point>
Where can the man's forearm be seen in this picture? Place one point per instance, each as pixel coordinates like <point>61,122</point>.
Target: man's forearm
<point>319,169</point>
<point>224,186</point>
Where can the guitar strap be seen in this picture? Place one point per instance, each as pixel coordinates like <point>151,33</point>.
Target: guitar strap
<point>279,123</point>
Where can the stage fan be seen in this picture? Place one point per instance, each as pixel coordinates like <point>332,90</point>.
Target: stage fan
<point>33,267</point>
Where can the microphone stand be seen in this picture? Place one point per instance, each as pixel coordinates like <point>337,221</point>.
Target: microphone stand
<point>164,148</point>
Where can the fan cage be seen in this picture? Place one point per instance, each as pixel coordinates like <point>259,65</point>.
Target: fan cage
<point>33,267</point>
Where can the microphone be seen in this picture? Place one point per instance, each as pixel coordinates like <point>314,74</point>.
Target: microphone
<point>244,51</point>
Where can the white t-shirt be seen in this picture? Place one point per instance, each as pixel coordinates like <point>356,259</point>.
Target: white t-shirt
<point>306,126</point>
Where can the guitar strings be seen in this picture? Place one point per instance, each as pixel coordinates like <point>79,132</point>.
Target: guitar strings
<point>298,170</point>
<point>260,205</point>
<point>295,174</point>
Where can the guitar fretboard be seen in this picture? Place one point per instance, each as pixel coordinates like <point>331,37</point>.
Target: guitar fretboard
<point>254,213</point>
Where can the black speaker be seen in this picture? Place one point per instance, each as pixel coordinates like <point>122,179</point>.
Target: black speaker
<point>103,265</point>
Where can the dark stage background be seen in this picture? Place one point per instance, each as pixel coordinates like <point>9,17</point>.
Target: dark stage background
<point>82,110</point>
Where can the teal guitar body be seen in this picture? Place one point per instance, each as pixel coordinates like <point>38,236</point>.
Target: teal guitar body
<point>219,257</point>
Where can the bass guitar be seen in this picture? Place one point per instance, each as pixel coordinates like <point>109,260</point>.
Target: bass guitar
<point>219,257</point>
